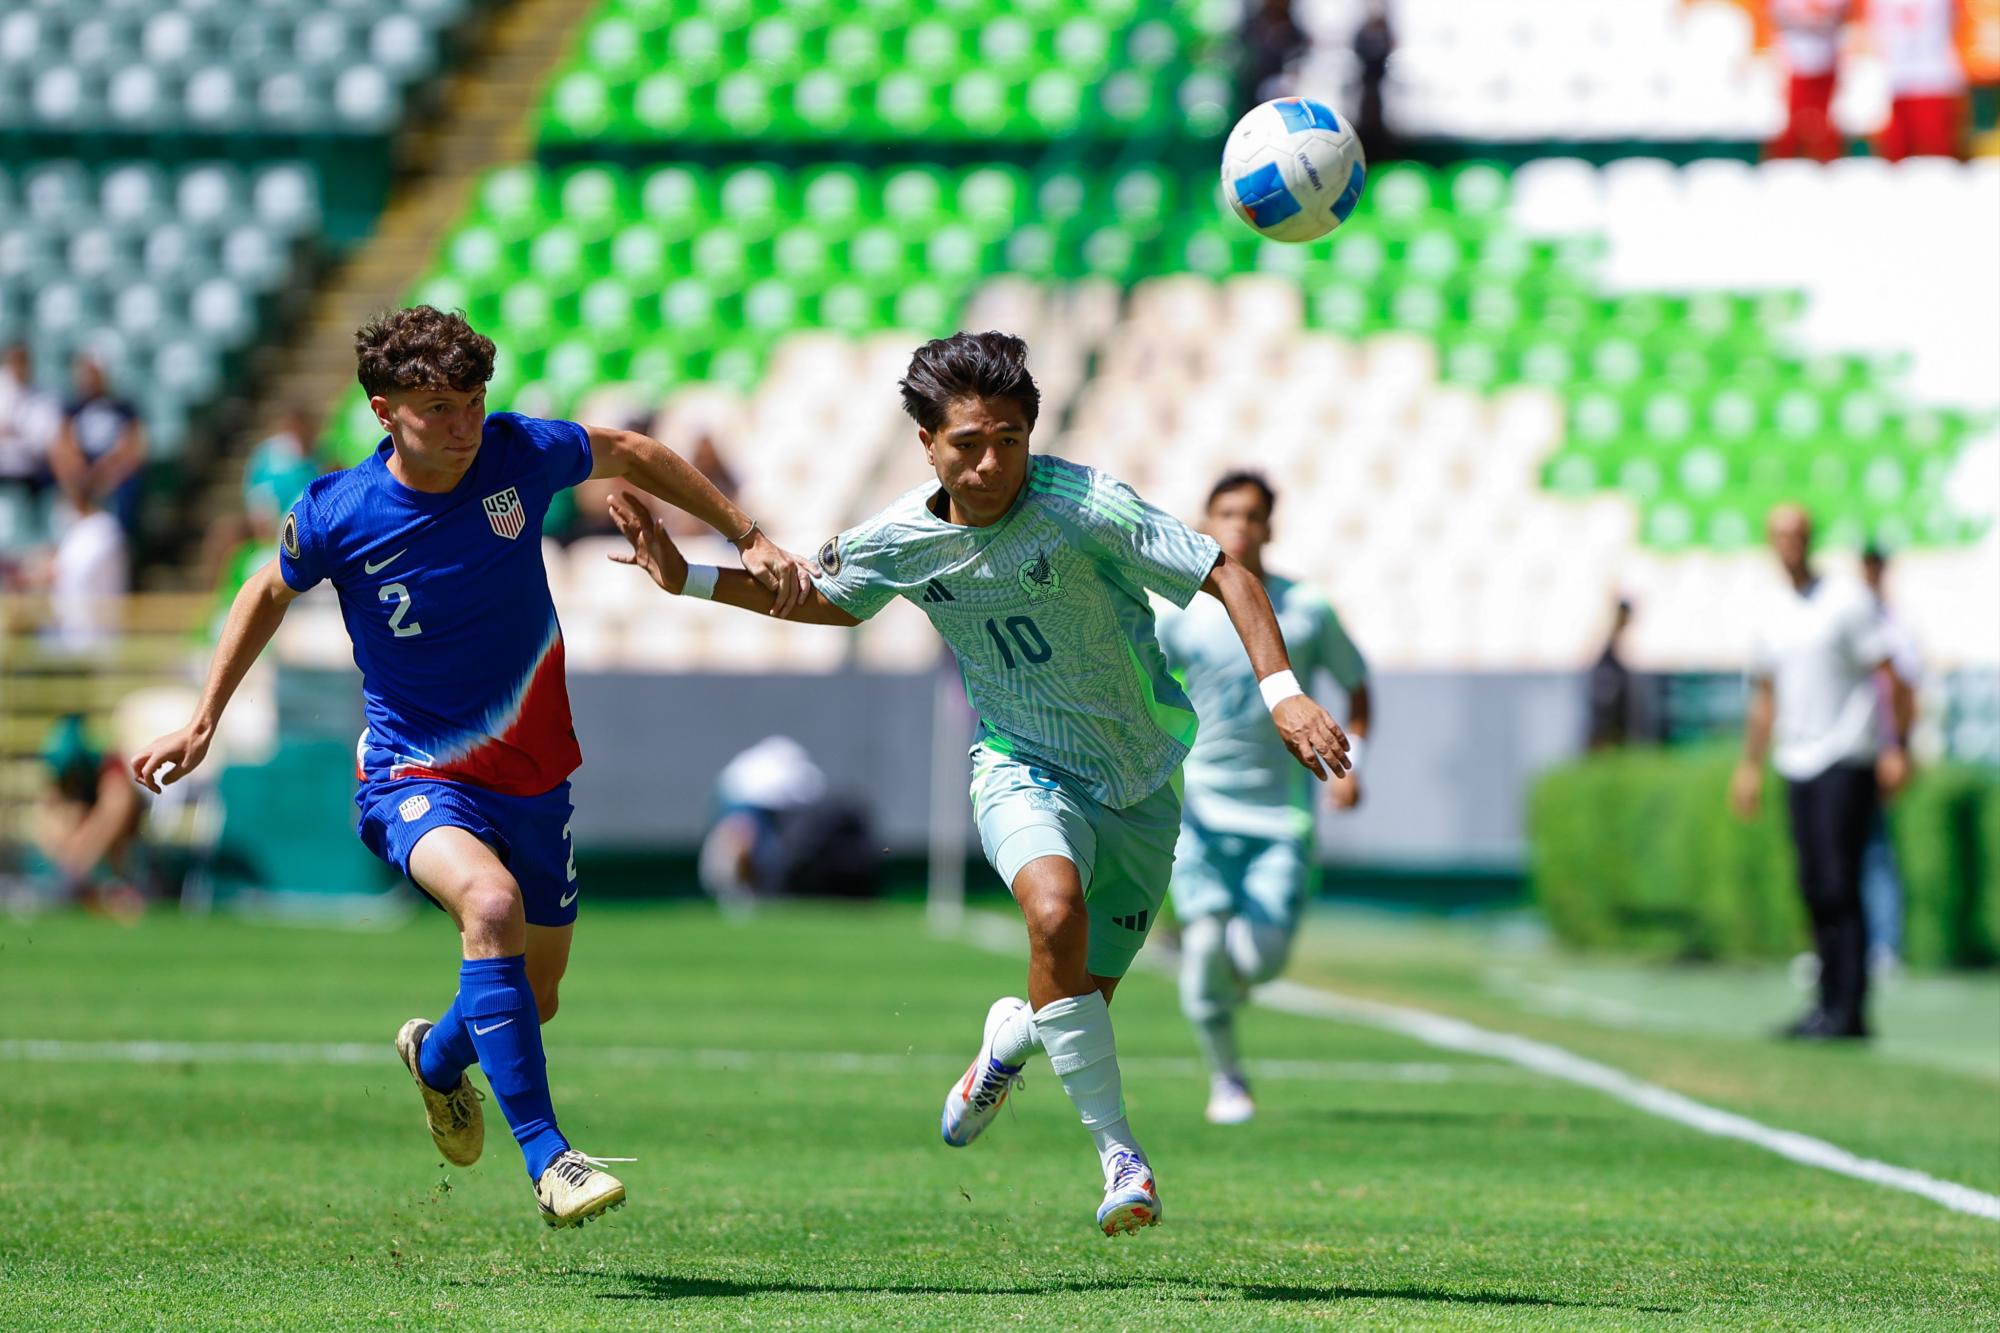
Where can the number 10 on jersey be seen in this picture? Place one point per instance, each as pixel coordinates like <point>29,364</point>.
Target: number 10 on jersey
<point>1027,640</point>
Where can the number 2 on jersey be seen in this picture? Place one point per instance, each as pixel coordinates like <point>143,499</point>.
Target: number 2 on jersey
<point>1027,637</point>
<point>397,593</point>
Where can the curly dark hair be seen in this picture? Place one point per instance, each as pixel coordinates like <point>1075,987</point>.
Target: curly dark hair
<point>968,365</point>
<point>421,347</point>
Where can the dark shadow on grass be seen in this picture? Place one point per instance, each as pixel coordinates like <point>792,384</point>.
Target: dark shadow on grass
<point>677,1286</point>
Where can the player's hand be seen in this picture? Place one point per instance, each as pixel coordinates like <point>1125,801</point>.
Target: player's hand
<point>787,576</point>
<point>1312,736</point>
<point>1893,771</point>
<point>179,751</point>
<point>652,550</point>
<point>1746,790</point>
<point>1344,793</point>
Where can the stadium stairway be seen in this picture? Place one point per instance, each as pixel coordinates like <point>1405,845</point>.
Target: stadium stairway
<point>486,118</point>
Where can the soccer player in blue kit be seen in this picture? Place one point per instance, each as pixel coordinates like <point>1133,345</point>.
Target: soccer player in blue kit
<point>433,544</point>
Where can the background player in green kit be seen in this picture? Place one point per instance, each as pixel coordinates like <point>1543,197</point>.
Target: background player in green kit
<point>1036,571</point>
<point>1244,868</point>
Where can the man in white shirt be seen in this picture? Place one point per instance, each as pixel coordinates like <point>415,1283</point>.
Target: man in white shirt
<point>1813,708</point>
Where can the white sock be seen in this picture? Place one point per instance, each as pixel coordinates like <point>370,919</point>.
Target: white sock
<point>1210,991</point>
<point>1076,1032</point>
<point>1016,1038</point>
<point>1257,951</point>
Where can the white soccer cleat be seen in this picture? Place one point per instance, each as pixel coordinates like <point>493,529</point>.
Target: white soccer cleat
<point>457,1125</point>
<point>1130,1200</point>
<point>576,1188</point>
<point>1229,1102</point>
<point>975,1099</point>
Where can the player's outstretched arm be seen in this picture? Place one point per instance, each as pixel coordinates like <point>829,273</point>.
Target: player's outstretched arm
<point>253,618</point>
<point>654,551</point>
<point>1312,736</point>
<point>658,470</point>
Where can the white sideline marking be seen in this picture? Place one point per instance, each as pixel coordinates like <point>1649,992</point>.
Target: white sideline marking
<point>993,932</point>
<point>820,1062</point>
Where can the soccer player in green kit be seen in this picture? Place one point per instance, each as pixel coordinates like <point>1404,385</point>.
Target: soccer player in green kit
<point>1036,571</point>
<point>1244,868</point>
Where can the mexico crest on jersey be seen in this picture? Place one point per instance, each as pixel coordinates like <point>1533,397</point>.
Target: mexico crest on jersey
<point>1039,578</point>
<point>505,514</point>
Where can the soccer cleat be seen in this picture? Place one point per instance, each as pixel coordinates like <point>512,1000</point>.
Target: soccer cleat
<point>975,1099</point>
<point>457,1125</point>
<point>1130,1201</point>
<point>1229,1102</point>
<point>574,1188</point>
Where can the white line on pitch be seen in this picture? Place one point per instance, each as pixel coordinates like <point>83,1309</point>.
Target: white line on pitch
<point>45,1051</point>
<point>993,932</point>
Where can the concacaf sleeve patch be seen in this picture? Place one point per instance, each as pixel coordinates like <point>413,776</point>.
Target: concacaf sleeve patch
<point>829,557</point>
<point>291,535</point>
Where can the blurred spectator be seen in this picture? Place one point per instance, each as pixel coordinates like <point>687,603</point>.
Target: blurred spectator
<point>279,469</point>
<point>707,458</point>
<point>778,831</point>
<point>29,420</point>
<point>1618,712</point>
<point>87,823</point>
<point>89,574</point>
<point>99,448</point>
<point>1813,708</point>
<point>1374,43</point>
<point>1272,40</point>
<point>1881,880</point>
<point>1918,43</point>
<point>1809,35</point>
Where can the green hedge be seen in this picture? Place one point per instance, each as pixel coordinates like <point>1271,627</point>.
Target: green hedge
<point>1637,850</point>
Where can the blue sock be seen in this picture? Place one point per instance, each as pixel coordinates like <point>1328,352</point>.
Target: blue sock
<point>499,1008</point>
<point>447,1051</point>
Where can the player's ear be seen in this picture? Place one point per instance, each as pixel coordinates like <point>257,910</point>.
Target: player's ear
<point>924,438</point>
<point>379,405</point>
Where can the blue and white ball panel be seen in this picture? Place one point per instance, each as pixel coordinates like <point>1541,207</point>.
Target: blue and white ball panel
<point>1351,196</point>
<point>1300,113</point>
<point>1265,196</point>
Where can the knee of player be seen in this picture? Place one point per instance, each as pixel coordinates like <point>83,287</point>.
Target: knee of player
<point>491,905</point>
<point>1053,919</point>
<point>1265,953</point>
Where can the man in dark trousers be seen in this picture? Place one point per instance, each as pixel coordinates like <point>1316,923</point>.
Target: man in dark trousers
<point>1813,700</point>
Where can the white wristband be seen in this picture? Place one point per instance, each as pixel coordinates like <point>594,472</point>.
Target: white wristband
<point>701,581</point>
<point>1278,687</point>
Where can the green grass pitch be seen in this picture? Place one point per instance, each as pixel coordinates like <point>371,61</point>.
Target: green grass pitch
<point>779,1081</point>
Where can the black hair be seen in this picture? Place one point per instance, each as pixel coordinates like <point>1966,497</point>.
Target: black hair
<point>1236,480</point>
<point>1873,554</point>
<point>968,365</point>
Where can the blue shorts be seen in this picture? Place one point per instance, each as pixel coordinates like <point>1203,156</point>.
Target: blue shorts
<point>1268,880</point>
<point>530,834</point>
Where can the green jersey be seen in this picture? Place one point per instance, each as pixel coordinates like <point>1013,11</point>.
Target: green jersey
<point>1047,612</point>
<point>1241,778</point>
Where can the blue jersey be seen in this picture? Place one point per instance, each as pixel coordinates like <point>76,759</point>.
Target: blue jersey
<point>448,605</point>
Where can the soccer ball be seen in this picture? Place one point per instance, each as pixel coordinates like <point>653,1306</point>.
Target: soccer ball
<point>1292,169</point>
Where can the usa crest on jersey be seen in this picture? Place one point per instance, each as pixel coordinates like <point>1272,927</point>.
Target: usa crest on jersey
<point>505,514</point>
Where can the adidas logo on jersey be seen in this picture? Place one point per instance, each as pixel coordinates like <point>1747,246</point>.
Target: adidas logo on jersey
<point>1136,921</point>
<point>937,592</point>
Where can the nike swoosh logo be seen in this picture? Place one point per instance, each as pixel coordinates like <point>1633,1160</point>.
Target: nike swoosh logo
<point>566,899</point>
<point>479,1031</point>
<point>370,567</point>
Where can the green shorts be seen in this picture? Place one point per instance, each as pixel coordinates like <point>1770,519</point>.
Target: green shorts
<point>1124,857</point>
<point>1268,880</point>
